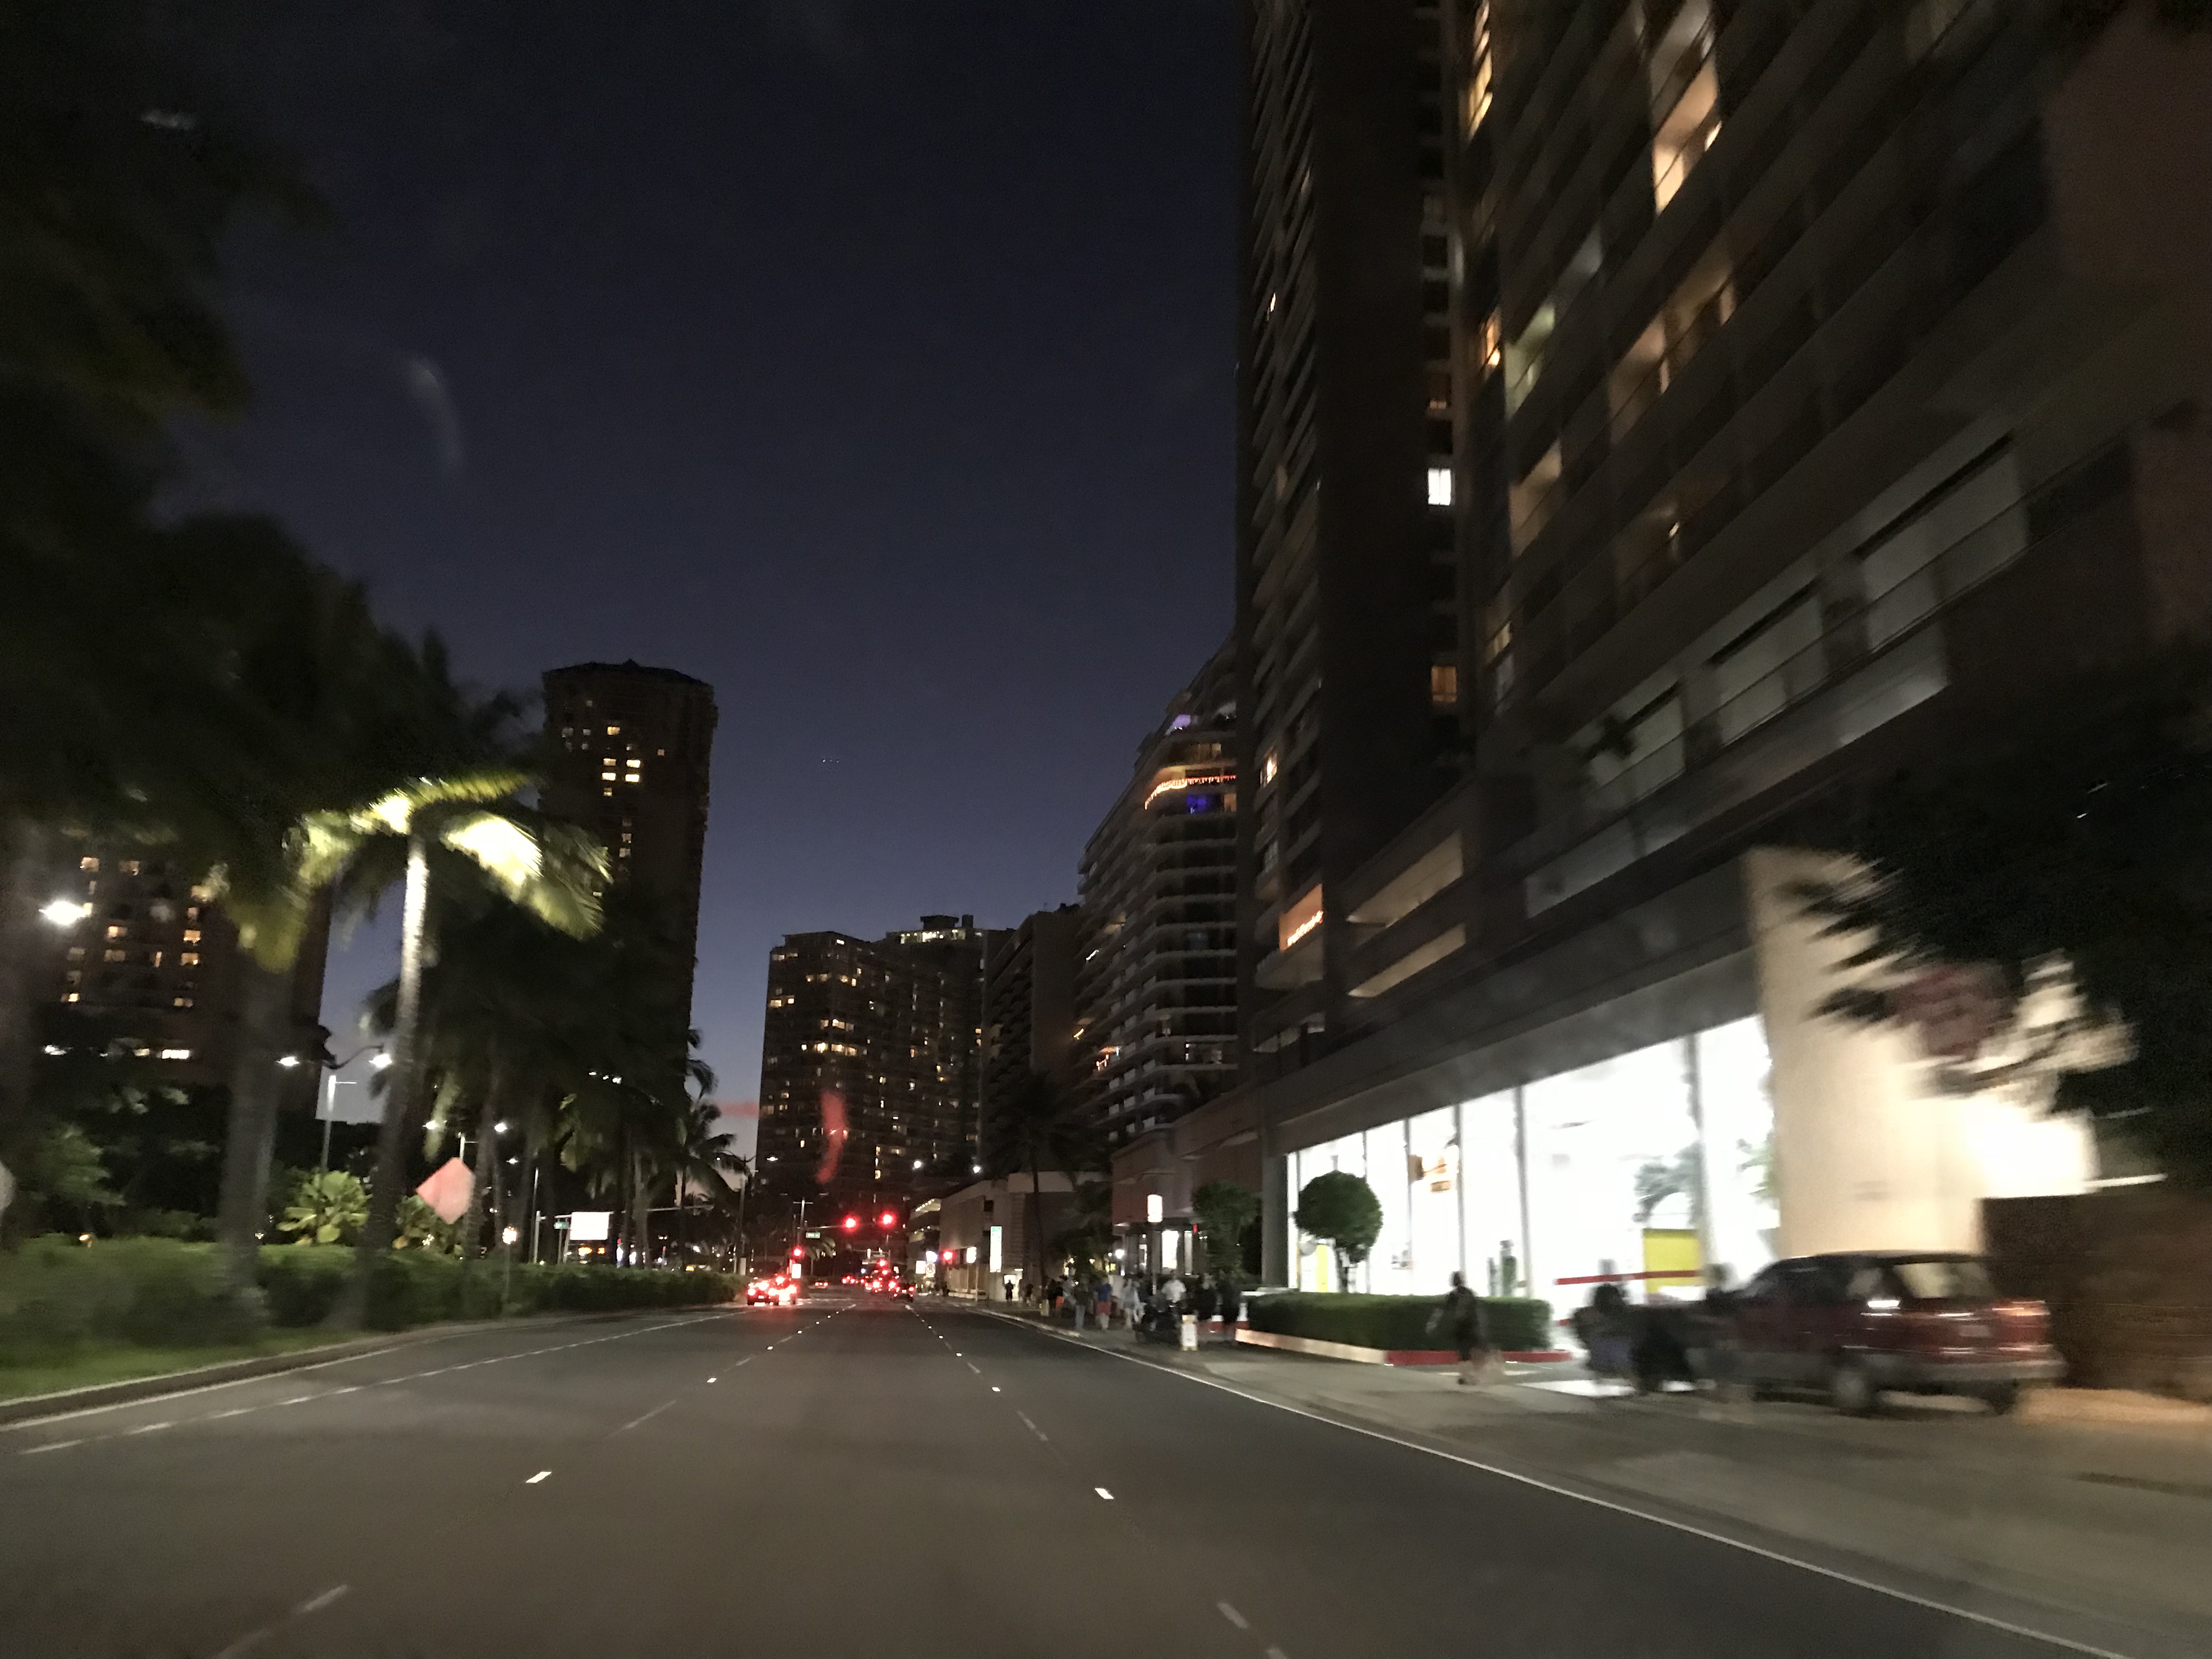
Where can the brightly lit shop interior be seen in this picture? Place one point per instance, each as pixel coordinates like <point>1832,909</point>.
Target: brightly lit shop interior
<point>1646,1168</point>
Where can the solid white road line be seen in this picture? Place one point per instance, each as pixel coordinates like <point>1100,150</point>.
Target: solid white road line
<point>1988,1620</point>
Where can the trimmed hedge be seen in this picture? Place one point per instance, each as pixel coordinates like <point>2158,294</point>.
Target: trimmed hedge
<point>1518,1323</point>
<point>56,1295</point>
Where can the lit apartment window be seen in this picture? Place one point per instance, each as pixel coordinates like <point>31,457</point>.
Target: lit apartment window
<point>117,930</point>
<point>76,953</point>
<point>1440,486</point>
<point>154,960</point>
<point>115,955</point>
<point>88,864</point>
<point>188,959</point>
<point>1686,114</point>
<point>192,914</point>
<point>180,1002</point>
<point>176,1054</point>
<point>73,977</point>
<point>1444,685</point>
<point>1269,768</point>
<point>129,866</point>
<point>1479,91</point>
<point>614,731</point>
<point>606,777</point>
<point>72,997</point>
<point>192,935</point>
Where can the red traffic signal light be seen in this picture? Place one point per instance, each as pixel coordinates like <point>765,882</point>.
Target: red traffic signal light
<point>887,1218</point>
<point>852,1224</point>
<point>797,1251</point>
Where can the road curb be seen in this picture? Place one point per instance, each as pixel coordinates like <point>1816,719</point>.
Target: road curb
<point>29,1407</point>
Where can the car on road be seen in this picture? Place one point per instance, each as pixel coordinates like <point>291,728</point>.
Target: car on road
<point>777,1293</point>
<point>1855,1324</point>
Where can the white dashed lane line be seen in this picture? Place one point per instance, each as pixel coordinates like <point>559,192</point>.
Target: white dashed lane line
<point>538,1477</point>
<point>54,1445</point>
<point>1104,1493</point>
<point>1233,1616</point>
<point>316,1603</point>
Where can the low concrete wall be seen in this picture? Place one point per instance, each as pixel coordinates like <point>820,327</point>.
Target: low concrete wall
<point>1379,1356</point>
<point>2125,1275</point>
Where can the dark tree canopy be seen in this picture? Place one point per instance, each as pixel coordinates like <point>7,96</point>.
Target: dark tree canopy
<point>1341,1208</point>
<point>2087,835</point>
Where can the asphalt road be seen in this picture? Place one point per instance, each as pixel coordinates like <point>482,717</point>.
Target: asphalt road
<point>869,1479</point>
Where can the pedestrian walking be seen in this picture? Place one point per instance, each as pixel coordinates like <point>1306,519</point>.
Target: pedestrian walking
<point>1102,1299</point>
<point>1460,1317</point>
<point>1205,1300</point>
<point>1233,1306</point>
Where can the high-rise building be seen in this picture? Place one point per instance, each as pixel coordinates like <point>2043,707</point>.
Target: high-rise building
<point>1156,987</point>
<point>1348,597</point>
<point>1029,1012</point>
<point>635,746</point>
<point>148,969</point>
<point>890,1028</point>
<point>1775,393</point>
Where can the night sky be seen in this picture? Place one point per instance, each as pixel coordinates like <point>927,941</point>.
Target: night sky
<point>870,360</point>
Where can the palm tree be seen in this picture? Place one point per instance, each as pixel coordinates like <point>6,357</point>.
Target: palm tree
<point>468,825</point>
<point>110,327</point>
<point>1042,1126</point>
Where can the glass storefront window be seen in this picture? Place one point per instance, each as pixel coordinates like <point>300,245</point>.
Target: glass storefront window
<point>1433,1205</point>
<point>1389,1269</point>
<point>1612,1157</point>
<point>1497,1242</point>
<point>1736,1100</point>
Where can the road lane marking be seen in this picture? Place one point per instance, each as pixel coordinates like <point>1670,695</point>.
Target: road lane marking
<point>714,1379</point>
<point>246,1644</point>
<point>151,1428</point>
<point>994,1388</point>
<point>538,1477</point>
<point>299,1399</point>
<point>235,1411</point>
<point>1104,1493</point>
<point>350,1388</point>
<point>1277,1653</point>
<point>649,1416</point>
<point>51,1445</point>
<point>1232,1615</point>
<point>974,1367</point>
<point>316,1603</point>
<point>1030,1426</point>
<point>1990,1622</point>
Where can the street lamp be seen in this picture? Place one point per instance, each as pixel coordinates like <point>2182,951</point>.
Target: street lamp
<point>326,1106</point>
<point>65,912</point>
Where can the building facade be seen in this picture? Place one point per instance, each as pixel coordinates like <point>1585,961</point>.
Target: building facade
<point>1823,378</point>
<point>635,747</point>
<point>880,1038</point>
<point>1029,1013</point>
<point>146,969</point>
<point>1155,984</point>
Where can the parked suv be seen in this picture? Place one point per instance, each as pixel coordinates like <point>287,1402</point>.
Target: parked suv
<point>1851,1325</point>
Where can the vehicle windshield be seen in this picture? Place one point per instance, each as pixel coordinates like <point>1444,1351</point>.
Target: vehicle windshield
<point>1944,1279</point>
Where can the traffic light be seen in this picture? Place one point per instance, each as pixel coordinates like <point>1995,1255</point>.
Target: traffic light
<point>797,1251</point>
<point>852,1224</point>
<point>887,1218</point>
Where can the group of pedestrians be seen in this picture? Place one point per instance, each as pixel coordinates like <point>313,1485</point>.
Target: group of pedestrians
<point>1141,1302</point>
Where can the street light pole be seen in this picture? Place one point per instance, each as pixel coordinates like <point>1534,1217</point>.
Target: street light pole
<point>326,1106</point>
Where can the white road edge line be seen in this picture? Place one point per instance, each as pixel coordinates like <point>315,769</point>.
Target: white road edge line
<point>324,1365</point>
<point>1988,1620</point>
<point>538,1477</point>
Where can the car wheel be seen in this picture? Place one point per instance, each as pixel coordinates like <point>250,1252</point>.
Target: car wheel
<point>2003,1399</point>
<point>1850,1391</point>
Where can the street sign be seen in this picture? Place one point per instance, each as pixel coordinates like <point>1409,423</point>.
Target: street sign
<point>448,1190</point>
<point>591,1226</point>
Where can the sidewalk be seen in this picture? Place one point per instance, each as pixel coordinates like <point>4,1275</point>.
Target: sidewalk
<point>2095,1507</point>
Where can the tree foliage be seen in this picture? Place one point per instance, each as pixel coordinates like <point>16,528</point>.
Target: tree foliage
<point>1340,1208</point>
<point>2085,837</point>
<point>1225,1209</point>
<point>326,1207</point>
